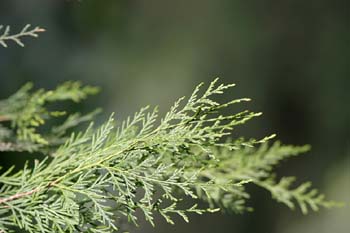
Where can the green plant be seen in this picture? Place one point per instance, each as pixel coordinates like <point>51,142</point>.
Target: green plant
<point>91,180</point>
<point>25,32</point>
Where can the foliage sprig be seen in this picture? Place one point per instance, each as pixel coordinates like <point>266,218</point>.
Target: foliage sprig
<point>27,111</point>
<point>103,175</point>
<point>17,38</point>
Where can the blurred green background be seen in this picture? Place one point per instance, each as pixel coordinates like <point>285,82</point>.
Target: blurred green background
<point>291,57</point>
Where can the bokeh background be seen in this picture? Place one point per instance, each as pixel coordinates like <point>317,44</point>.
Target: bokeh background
<point>291,57</point>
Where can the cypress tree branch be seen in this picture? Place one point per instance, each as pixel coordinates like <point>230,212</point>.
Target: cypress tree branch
<point>25,32</point>
<point>101,175</point>
<point>18,195</point>
<point>26,110</point>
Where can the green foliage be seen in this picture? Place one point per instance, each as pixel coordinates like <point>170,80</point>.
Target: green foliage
<point>103,175</point>
<point>256,166</point>
<point>27,111</point>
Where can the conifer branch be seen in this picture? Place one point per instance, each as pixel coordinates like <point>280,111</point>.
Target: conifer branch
<point>18,195</point>
<point>101,175</point>
<point>25,32</point>
<point>27,111</point>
